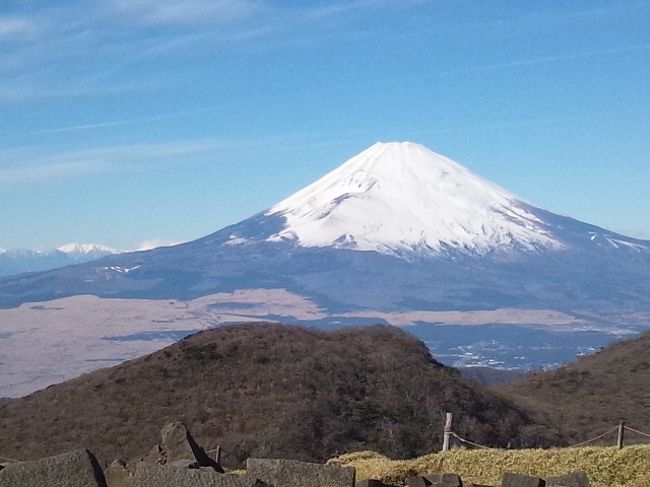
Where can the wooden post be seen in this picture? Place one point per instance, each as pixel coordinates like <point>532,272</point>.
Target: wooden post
<point>621,434</point>
<point>217,455</point>
<point>447,432</point>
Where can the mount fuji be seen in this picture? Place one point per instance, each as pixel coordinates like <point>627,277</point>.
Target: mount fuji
<point>398,234</point>
<point>402,199</point>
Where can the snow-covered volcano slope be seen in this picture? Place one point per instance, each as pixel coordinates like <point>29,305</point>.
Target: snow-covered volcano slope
<point>400,197</point>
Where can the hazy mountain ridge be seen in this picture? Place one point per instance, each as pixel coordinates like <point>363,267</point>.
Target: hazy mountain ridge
<point>18,261</point>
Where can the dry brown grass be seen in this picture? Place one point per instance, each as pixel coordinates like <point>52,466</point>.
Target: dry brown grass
<point>606,467</point>
<point>268,391</point>
<point>587,397</point>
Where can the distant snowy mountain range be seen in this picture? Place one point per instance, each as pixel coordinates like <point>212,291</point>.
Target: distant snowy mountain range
<point>18,261</point>
<point>398,234</point>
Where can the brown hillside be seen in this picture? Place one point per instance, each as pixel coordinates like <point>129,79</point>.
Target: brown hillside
<point>266,390</point>
<point>593,394</point>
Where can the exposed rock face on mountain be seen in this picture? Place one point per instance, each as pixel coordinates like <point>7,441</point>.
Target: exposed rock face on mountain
<point>592,395</point>
<point>269,391</point>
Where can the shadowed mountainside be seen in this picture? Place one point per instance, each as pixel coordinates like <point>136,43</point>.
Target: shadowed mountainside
<point>268,390</point>
<point>592,395</point>
<point>487,376</point>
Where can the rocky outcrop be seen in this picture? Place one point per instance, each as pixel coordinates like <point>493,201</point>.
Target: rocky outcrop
<point>178,448</point>
<point>75,469</point>
<point>167,476</point>
<point>118,475</point>
<point>573,479</point>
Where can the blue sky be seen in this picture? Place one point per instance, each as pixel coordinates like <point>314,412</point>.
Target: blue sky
<point>131,121</point>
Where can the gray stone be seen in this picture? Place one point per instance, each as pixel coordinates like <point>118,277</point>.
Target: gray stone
<point>573,479</point>
<point>155,456</point>
<point>118,475</point>
<point>517,480</point>
<point>74,469</point>
<point>165,476</point>
<point>416,482</point>
<point>177,442</point>
<point>187,463</point>
<point>372,483</point>
<point>178,448</point>
<point>291,473</point>
<point>436,480</point>
<point>444,480</point>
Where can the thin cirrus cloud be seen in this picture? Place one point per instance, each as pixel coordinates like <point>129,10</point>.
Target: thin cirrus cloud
<point>227,11</point>
<point>15,28</point>
<point>110,124</point>
<point>10,177</point>
<point>375,83</point>
<point>91,162</point>
<point>135,30</point>
<point>187,12</point>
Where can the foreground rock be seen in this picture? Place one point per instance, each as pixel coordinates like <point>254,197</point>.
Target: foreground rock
<point>178,448</point>
<point>167,476</point>
<point>291,473</point>
<point>372,483</point>
<point>439,480</point>
<point>75,469</point>
<point>517,480</point>
<point>118,475</point>
<point>573,479</point>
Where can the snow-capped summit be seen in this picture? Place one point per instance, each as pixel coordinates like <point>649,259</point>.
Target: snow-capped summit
<point>400,197</point>
<point>77,248</point>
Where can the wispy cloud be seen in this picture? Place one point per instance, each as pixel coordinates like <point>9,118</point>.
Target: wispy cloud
<point>183,12</point>
<point>49,172</point>
<point>551,59</point>
<point>15,28</point>
<point>103,125</point>
<point>37,168</point>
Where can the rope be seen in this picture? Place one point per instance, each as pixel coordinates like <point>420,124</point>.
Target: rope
<point>637,431</point>
<point>463,440</point>
<point>595,438</point>
<point>13,460</point>
<point>477,445</point>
